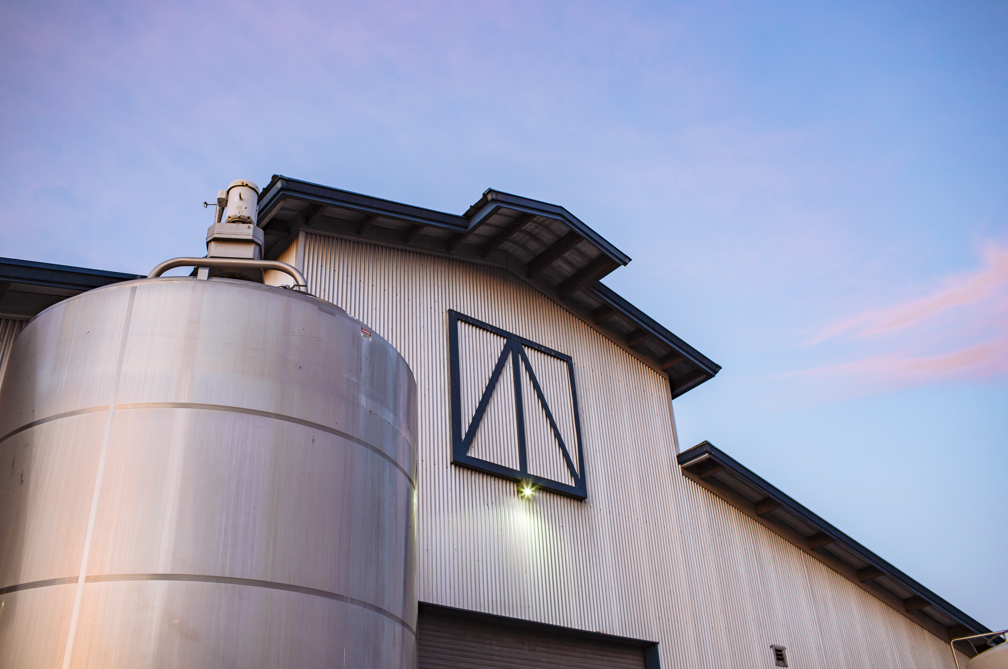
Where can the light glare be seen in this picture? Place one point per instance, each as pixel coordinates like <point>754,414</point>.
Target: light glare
<point>525,488</point>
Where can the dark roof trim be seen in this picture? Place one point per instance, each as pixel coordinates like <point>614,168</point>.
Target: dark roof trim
<point>281,187</point>
<point>58,276</point>
<point>645,322</point>
<point>316,207</point>
<point>537,208</point>
<point>719,473</point>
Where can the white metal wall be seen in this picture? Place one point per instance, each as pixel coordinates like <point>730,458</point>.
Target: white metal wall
<point>9,329</point>
<point>650,554</point>
<point>271,277</point>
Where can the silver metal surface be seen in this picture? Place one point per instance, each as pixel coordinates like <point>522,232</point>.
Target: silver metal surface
<point>989,639</point>
<point>206,474</point>
<point>226,263</point>
<point>650,554</point>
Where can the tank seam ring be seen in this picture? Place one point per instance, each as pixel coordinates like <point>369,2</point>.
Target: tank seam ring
<point>59,416</point>
<point>67,580</point>
<point>216,407</point>
<point>226,580</point>
<point>275,416</point>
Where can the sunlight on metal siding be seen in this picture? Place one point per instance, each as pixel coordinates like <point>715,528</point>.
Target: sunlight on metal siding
<point>271,277</point>
<point>9,329</point>
<point>555,383</point>
<point>650,554</point>
<point>544,456</point>
<point>496,438</point>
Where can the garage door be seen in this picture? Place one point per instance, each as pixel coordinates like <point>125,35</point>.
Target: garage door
<point>449,640</point>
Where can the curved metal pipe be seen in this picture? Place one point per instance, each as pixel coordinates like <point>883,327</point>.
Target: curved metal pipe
<point>222,263</point>
<point>993,635</point>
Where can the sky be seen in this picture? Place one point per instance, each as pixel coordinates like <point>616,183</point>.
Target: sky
<point>815,196</point>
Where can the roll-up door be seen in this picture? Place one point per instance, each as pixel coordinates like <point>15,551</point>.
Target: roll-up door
<point>453,641</point>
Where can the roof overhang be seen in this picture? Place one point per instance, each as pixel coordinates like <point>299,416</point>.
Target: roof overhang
<point>743,489</point>
<point>27,287</point>
<point>541,243</point>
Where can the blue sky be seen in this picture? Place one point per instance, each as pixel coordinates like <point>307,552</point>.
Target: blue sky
<point>814,196</point>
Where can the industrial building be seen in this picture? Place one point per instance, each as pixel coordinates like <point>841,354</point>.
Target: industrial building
<point>425,439</point>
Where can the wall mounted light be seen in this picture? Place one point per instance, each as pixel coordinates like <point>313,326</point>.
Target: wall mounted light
<point>526,489</point>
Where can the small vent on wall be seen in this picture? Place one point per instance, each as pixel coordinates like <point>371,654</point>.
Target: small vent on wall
<point>780,656</point>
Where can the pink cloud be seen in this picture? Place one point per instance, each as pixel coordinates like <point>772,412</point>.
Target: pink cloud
<point>890,370</point>
<point>958,332</point>
<point>970,289</point>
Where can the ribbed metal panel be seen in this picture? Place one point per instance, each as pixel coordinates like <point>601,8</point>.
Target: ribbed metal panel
<point>455,643</point>
<point>271,277</point>
<point>496,440</point>
<point>9,329</point>
<point>649,555</point>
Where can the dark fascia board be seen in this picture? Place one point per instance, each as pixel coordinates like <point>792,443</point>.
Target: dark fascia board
<point>58,276</point>
<point>643,321</point>
<point>281,187</point>
<point>530,206</point>
<point>707,452</point>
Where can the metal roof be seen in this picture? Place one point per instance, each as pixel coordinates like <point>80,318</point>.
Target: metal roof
<point>743,489</point>
<point>542,243</point>
<point>28,287</point>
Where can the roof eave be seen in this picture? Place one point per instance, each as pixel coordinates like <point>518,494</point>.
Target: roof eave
<point>710,467</point>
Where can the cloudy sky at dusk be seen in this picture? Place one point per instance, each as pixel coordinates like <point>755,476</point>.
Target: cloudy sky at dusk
<point>814,197</point>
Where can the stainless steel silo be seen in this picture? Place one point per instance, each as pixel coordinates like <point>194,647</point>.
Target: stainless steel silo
<point>206,473</point>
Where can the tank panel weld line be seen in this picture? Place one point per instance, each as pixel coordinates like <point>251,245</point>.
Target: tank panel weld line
<point>249,582</point>
<point>66,580</point>
<point>49,419</point>
<point>275,416</point>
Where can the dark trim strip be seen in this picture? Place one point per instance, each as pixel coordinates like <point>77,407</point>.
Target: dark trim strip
<point>59,416</point>
<point>281,188</point>
<point>538,208</point>
<point>513,350</point>
<point>252,583</point>
<point>698,460</point>
<point>606,295</point>
<point>66,580</point>
<point>58,276</point>
<point>446,235</point>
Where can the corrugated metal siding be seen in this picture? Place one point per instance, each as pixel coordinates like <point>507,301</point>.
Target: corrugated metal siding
<point>554,380</point>
<point>650,555</point>
<point>496,439</point>
<point>9,329</point>
<point>454,643</point>
<point>544,456</point>
<point>271,277</point>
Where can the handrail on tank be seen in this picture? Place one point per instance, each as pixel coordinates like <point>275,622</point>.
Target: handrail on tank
<point>223,263</point>
<point>993,635</point>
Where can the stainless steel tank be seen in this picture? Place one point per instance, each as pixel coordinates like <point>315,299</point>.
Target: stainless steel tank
<point>206,473</point>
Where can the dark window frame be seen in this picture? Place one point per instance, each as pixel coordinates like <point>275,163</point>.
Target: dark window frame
<point>514,349</point>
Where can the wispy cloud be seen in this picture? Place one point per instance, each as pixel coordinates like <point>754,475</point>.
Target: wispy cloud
<point>958,331</point>
<point>974,288</point>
